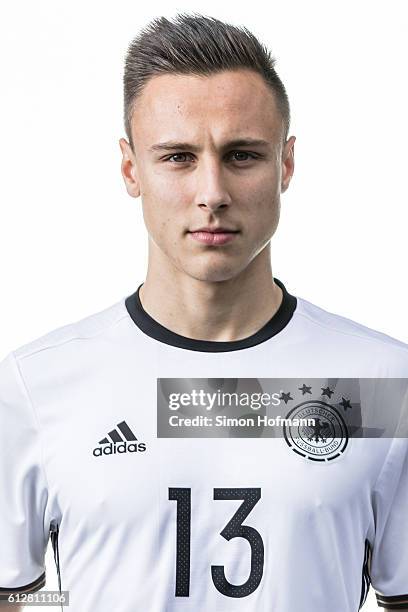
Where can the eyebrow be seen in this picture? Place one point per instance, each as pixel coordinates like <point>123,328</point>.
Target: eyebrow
<point>172,145</point>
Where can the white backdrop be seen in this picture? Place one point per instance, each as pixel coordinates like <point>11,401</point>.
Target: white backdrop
<point>72,241</point>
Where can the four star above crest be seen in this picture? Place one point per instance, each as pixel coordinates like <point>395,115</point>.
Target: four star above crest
<point>326,391</point>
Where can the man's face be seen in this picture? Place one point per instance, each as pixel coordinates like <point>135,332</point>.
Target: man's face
<point>209,180</point>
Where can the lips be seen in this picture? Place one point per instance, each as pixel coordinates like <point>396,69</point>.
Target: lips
<point>214,237</point>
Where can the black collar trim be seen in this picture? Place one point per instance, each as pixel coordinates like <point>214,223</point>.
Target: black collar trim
<point>152,328</point>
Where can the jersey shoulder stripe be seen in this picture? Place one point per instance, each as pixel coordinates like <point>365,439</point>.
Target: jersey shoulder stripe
<point>86,327</point>
<point>336,323</point>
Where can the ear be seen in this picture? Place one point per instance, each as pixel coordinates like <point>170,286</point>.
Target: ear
<point>288,162</point>
<point>129,169</point>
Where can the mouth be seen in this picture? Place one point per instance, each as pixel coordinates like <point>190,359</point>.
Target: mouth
<point>214,238</point>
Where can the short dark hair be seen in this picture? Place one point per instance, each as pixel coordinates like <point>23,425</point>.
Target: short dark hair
<point>196,44</point>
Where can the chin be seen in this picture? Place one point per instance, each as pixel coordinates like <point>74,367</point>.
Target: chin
<point>213,274</point>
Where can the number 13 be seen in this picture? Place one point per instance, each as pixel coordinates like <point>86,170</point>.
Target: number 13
<point>233,529</point>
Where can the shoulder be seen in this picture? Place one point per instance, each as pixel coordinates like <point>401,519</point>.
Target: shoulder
<point>344,333</point>
<point>87,328</point>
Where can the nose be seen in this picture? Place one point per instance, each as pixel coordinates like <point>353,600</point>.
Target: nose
<point>211,187</point>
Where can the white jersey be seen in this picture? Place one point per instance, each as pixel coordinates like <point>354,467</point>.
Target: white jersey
<point>106,452</point>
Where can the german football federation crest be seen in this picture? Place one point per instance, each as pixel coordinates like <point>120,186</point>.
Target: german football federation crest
<point>324,440</point>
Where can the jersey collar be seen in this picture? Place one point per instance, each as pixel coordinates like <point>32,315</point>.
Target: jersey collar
<point>155,330</point>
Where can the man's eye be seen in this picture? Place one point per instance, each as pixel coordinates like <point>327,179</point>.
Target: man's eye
<point>169,158</point>
<point>242,155</point>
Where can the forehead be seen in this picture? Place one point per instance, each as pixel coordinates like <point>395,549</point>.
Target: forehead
<point>228,102</point>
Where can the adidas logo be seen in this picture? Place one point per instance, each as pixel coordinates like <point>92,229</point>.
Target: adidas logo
<point>117,443</point>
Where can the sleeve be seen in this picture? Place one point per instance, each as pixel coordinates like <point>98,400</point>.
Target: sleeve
<point>23,488</point>
<point>389,555</point>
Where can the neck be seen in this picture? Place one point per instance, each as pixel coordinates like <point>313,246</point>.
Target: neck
<point>225,310</point>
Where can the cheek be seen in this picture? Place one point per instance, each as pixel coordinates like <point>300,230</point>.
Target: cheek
<point>271,214</point>
<point>156,204</point>
<point>164,219</point>
<point>263,207</point>
<point>158,219</point>
<point>263,220</point>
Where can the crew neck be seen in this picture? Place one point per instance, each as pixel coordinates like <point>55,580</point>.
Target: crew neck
<point>155,330</point>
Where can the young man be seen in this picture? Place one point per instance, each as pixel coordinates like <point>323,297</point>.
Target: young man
<point>109,425</point>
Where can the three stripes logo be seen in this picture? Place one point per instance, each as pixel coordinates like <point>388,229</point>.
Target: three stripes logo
<point>120,440</point>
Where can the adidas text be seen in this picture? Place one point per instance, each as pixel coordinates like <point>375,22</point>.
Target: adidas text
<point>122,447</point>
